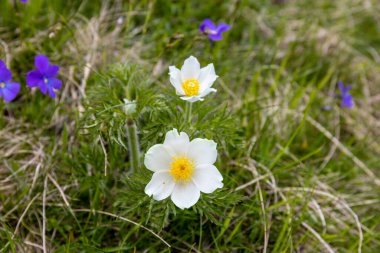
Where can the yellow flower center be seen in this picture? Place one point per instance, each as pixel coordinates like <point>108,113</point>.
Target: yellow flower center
<point>46,80</point>
<point>191,87</point>
<point>2,85</point>
<point>182,169</point>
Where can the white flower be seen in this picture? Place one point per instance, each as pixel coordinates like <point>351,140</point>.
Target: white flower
<point>191,82</point>
<point>182,169</point>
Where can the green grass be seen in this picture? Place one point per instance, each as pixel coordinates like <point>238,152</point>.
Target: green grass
<point>65,180</point>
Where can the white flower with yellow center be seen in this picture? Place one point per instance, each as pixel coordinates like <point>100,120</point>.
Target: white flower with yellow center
<point>182,169</point>
<point>192,82</point>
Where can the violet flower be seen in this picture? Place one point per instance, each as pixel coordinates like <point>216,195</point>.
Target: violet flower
<point>347,100</point>
<point>213,32</point>
<point>44,76</point>
<point>23,1</point>
<point>8,89</point>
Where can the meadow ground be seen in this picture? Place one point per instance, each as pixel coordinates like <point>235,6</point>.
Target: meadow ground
<point>301,173</point>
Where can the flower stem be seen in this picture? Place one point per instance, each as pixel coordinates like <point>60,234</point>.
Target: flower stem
<point>188,112</point>
<point>133,145</point>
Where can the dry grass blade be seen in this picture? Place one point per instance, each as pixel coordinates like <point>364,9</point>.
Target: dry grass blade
<point>251,167</point>
<point>60,190</point>
<point>341,147</point>
<point>24,213</point>
<point>336,199</point>
<point>318,236</point>
<point>251,182</point>
<point>124,219</point>
<point>44,215</point>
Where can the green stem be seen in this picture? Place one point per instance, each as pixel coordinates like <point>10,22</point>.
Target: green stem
<point>188,112</point>
<point>133,145</point>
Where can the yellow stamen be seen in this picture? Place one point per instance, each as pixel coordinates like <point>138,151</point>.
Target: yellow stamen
<point>191,87</point>
<point>182,169</point>
<point>46,80</point>
<point>2,85</point>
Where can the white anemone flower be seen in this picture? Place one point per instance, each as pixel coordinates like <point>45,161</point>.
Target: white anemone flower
<point>192,82</point>
<point>182,169</point>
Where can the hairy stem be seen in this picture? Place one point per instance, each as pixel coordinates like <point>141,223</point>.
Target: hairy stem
<point>133,145</point>
<point>188,112</point>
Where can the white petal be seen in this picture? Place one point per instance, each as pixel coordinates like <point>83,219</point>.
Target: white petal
<point>207,178</point>
<point>206,92</point>
<point>175,80</point>
<point>190,68</point>
<point>160,186</point>
<point>176,143</point>
<point>157,158</point>
<point>207,77</point>
<point>185,195</point>
<point>166,192</point>
<point>192,99</point>
<point>202,151</point>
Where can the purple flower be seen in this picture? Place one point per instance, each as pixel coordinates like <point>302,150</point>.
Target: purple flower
<point>347,100</point>
<point>8,89</point>
<point>44,76</point>
<point>24,1</point>
<point>213,32</point>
